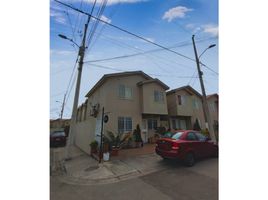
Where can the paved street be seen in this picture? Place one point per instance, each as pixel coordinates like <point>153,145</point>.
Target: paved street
<point>171,181</point>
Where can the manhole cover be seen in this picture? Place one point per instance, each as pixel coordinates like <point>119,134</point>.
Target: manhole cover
<point>91,168</point>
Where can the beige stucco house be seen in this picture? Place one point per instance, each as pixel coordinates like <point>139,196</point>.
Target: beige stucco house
<point>213,106</point>
<point>128,98</point>
<point>185,107</point>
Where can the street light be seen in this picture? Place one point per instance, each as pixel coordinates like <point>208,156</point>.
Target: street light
<point>66,38</point>
<point>210,46</point>
<point>204,96</point>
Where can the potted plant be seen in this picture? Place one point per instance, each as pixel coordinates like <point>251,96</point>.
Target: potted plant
<point>93,147</point>
<point>137,134</point>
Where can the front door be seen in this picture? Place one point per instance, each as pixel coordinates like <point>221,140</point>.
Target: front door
<point>144,131</point>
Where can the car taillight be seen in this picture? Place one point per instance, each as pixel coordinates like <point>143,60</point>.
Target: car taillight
<point>175,146</point>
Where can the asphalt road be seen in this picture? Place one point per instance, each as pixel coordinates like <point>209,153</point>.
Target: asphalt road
<point>173,182</point>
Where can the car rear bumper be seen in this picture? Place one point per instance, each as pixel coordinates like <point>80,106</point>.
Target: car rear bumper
<point>172,154</point>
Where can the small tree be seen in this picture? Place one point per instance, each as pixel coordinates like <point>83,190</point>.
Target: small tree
<point>197,126</point>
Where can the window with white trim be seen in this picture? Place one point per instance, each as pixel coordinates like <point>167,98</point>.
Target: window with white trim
<point>125,92</point>
<point>152,124</point>
<point>124,124</point>
<point>158,96</point>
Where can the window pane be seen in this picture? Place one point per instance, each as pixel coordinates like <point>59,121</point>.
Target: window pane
<point>191,136</point>
<point>128,93</point>
<point>128,124</point>
<point>121,91</point>
<point>120,124</point>
<point>200,137</point>
<point>179,99</point>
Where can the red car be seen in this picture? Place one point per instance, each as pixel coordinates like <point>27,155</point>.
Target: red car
<point>186,145</point>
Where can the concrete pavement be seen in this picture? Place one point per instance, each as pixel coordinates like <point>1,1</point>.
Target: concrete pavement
<point>173,182</point>
<point>84,170</point>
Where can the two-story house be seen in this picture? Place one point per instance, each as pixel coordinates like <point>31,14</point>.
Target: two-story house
<point>129,98</point>
<point>184,108</point>
<point>213,106</point>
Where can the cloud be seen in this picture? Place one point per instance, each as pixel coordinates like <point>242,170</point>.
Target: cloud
<point>176,12</point>
<point>106,19</point>
<point>211,29</point>
<point>61,52</point>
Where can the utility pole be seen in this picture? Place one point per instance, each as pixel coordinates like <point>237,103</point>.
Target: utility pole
<point>204,97</point>
<point>81,55</point>
<point>62,107</point>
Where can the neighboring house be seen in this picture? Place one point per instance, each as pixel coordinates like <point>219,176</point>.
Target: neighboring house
<point>213,106</point>
<point>129,98</point>
<point>59,124</point>
<point>184,107</point>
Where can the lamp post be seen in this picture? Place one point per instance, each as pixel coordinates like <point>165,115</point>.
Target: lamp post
<point>66,38</point>
<point>204,96</point>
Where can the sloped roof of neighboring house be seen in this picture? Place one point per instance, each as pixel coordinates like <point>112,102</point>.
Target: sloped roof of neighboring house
<point>106,76</point>
<point>187,88</point>
<point>212,95</point>
<point>155,80</point>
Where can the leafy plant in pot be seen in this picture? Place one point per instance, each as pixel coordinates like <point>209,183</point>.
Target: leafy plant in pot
<point>113,141</point>
<point>137,135</point>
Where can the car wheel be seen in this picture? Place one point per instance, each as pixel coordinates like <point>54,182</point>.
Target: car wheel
<point>189,160</point>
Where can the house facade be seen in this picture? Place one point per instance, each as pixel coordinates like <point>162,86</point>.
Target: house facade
<point>184,108</point>
<point>128,98</point>
<point>213,106</point>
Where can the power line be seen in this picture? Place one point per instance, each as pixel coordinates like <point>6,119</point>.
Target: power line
<point>121,70</point>
<point>142,53</point>
<point>126,31</point>
<point>133,34</point>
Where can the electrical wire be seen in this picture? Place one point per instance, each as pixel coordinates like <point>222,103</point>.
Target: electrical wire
<point>133,34</point>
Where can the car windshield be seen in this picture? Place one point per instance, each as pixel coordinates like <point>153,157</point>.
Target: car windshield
<point>58,134</point>
<point>167,135</point>
<point>177,135</point>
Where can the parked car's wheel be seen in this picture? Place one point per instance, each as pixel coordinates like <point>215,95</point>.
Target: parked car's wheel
<point>189,160</point>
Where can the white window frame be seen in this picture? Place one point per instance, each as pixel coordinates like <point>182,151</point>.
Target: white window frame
<point>125,92</point>
<point>125,125</point>
<point>159,96</point>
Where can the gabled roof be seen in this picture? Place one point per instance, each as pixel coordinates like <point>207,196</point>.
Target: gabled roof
<point>212,95</point>
<point>155,80</point>
<point>106,76</point>
<point>187,88</point>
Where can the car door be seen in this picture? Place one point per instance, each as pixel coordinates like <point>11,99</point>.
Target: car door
<point>193,144</point>
<point>205,146</point>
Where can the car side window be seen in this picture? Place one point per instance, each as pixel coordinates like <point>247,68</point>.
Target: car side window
<point>191,136</point>
<point>200,137</point>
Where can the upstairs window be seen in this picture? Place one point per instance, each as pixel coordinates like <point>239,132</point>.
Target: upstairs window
<point>182,99</point>
<point>159,96</point>
<point>179,100</point>
<point>125,92</point>
<point>195,104</point>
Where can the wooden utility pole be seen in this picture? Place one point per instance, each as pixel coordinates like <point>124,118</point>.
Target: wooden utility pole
<point>204,97</point>
<point>81,55</point>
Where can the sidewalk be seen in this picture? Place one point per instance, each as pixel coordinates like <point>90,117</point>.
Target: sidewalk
<point>84,170</point>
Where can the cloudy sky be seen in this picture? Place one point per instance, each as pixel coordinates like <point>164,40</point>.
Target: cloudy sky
<point>170,23</point>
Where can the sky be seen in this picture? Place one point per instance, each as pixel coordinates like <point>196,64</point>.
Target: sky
<point>170,23</point>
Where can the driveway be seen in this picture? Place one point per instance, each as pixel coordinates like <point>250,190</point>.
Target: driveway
<point>154,178</point>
